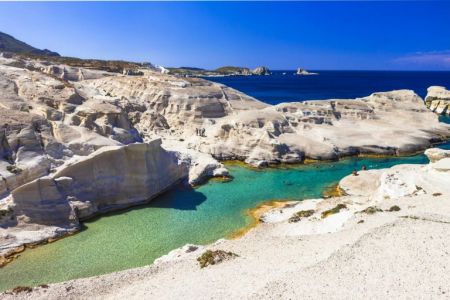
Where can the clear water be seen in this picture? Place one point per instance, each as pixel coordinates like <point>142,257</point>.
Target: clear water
<point>278,88</point>
<point>215,210</point>
<point>138,236</point>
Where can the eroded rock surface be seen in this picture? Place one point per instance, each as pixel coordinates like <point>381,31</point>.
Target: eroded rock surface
<point>388,242</point>
<point>438,100</point>
<point>110,178</point>
<point>65,132</point>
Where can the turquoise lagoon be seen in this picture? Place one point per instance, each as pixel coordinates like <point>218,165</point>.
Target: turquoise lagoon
<point>136,237</point>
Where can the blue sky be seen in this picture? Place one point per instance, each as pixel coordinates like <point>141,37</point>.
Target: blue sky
<point>283,35</point>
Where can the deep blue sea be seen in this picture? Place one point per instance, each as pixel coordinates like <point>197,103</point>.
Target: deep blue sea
<point>278,88</point>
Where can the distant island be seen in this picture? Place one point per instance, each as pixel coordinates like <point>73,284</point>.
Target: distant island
<point>303,72</point>
<point>222,71</point>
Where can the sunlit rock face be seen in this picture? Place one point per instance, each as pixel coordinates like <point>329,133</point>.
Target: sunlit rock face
<point>110,178</point>
<point>438,100</point>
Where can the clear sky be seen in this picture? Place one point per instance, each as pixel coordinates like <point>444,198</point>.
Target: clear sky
<point>283,35</point>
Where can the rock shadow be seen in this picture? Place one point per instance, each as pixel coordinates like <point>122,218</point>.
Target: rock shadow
<point>181,197</point>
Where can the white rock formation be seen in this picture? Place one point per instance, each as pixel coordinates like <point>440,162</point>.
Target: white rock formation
<point>235,126</point>
<point>389,242</point>
<point>71,148</point>
<point>435,154</point>
<point>55,119</point>
<point>438,100</point>
<point>110,178</point>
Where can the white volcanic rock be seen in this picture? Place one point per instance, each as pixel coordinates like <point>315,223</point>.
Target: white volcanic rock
<point>442,165</point>
<point>46,119</point>
<point>363,184</point>
<point>217,120</point>
<point>62,127</point>
<point>401,180</point>
<point>438,99</point>
<point>384,123</point>
<point>71,73</point>
<point>111,178</point>
<point>194,115</point>
<point>435,154</point>
<point>396,249</point>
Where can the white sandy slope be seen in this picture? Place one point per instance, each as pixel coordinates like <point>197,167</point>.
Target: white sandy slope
<point>403,254</point>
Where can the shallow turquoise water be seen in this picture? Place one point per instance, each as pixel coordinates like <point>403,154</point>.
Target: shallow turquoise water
<point>138,236</point>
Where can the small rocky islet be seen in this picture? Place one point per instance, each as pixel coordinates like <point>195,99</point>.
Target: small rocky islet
<point>63,124</point>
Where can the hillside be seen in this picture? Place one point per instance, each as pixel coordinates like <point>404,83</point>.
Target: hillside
<point>10,44</point>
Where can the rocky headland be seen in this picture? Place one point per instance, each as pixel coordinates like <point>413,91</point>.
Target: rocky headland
<point>222,71</point>
<point>386,237</point>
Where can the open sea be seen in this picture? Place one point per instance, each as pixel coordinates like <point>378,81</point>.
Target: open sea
<point>137,236</point>
<point>278,88</point>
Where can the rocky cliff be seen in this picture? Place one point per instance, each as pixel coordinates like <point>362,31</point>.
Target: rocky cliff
<point>438,100</point>
<point>110,178</point>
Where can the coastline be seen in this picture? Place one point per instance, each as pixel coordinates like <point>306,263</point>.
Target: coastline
<point>335,246</point>
<point>60,183</point>
<point>310,161</point>
<point>256,213</point>
<point>253,213</point>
